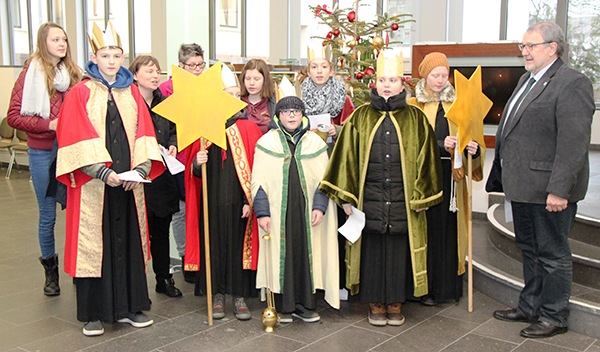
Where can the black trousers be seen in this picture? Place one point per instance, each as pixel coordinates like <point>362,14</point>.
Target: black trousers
<point>158,229</point>
<point>542,236</point>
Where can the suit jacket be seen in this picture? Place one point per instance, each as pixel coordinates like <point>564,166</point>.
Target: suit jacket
<point>544,147</point>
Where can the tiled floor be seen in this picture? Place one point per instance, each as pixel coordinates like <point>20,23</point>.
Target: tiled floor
<point>30,321</point>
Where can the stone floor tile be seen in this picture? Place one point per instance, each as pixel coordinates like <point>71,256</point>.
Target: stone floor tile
<point>21,335</point>
<point>431,335</point>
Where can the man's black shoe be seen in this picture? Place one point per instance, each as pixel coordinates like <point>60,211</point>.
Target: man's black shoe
<point>513,314</point>
<point>542,329</point>
<point>167,286</point>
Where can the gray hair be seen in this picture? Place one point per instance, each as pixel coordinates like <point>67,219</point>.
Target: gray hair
<point>189,50</point>
<point>550,32</point>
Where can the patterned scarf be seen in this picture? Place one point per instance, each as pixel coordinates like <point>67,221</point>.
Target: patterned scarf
<point>329,99</point>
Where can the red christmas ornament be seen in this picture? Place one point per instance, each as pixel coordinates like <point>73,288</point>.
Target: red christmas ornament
<point>351,16</point>
<point>349,78</point>
<point>330,35</point>
<point>369,71</point>
<point>358,38</point>
<point>394,26</point>
<point>325,42</point>
<point>371,85</point>
<point>336,32</point>
<point>359,75</point>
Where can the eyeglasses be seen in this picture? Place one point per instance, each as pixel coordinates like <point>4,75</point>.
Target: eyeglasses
<point>530,46</point>
<point>195,66</point>
<point>288,112</point>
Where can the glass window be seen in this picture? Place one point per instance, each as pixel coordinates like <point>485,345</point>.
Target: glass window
<point>583,36</point>
<point>228,39</point>
<point>542,11</point>
<point>481,28</point>
<point>58,10</point>
<point>16,13</point>
<point>143,40</point>
<point>39,16</point>
<point>257,44</point>
<point>20,32</point>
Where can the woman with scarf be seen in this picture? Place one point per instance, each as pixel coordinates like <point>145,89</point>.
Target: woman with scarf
<point>446,225</point>
<point>257,90</point>
<point>35,103</point>
<point>324,94</point>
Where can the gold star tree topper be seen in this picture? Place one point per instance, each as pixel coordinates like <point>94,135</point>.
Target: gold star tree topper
<point>199,106</point>
<point>469,108</point>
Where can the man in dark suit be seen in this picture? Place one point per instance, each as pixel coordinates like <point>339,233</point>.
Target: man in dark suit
<point>542,147</point>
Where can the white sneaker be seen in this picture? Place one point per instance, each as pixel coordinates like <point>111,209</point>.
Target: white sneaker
<point>137,320</point>
<point>93,328</point>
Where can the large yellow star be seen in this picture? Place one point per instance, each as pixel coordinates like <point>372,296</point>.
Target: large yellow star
<point>199,106</point>
<point>469,108</point>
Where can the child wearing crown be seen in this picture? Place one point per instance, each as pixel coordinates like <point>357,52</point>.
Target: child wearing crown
<point>104,129</point>
<point>386,164</point>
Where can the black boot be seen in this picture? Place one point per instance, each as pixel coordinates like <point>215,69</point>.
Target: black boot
<point>50,265</point>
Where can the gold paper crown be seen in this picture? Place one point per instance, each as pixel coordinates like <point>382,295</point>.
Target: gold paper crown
<point>321,52</point>
<point>393,65</point>
<point>100,39</point>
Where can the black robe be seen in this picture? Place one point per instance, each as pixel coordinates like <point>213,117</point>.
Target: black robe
<point>297,281</point>
<point>123,288</point>
<point>226,225</point>
<point>442,231</point>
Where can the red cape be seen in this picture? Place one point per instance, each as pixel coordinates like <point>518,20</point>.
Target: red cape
<point>250,134</point>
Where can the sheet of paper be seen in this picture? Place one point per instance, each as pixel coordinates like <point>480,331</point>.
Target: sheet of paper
<point>322,119</point>
<point>353,226</point>
<point>132,175</point>
<point>175,166</point>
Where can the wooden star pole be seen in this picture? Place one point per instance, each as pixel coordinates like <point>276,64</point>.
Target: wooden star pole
<point>467,112</point>
<point>199,107</point>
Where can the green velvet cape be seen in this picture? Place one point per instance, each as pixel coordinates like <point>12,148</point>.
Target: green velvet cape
<point>421,170</point>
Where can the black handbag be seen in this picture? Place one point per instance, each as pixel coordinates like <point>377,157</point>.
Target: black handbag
<point>494,181</point>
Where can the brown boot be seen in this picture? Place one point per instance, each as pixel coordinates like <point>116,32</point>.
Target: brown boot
<point>377,314</point>
<point>394,316</point>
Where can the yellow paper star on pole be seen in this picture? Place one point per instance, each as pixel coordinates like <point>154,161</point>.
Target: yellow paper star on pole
<point>199,106</point>
<point>469,108</point>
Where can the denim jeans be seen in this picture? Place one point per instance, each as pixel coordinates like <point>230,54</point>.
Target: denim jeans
<point>39,164</point>
<point>543,236</point>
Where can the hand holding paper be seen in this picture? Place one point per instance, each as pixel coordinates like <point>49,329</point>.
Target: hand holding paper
<point>353,226</point>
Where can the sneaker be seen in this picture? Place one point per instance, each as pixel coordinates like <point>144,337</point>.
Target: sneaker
<point>167,286</point>
<point>240,309</point>
<point>285,318</point>
<point>428,301</point>
<point>377,314</point>
<point>218,306</point>
<point>137,320</point>
<point>308,316</point>
<point>394,316</point>
<point>93,328</point>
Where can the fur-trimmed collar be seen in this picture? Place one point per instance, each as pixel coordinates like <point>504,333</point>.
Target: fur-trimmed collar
<point>424,94</point>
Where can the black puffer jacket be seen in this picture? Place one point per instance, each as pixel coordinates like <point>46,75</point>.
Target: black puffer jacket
<point>384,187</point>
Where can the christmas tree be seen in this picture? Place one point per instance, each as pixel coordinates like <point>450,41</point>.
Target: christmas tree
<point>356,43</point>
